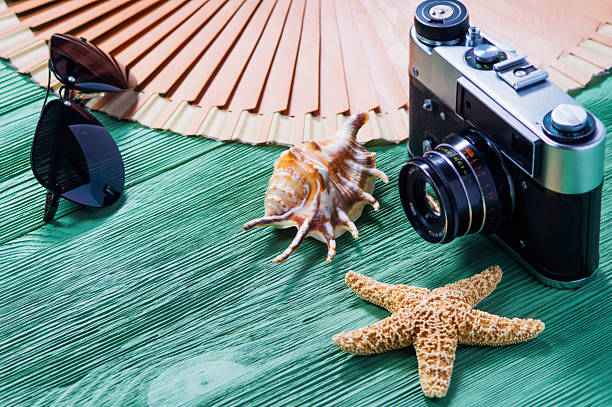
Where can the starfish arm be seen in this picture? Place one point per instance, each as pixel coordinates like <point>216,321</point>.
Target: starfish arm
<point>481,328</point>
<point>435,354</point>
<point>475,289</point>
<point>389,296</point>
<point>385,335</point>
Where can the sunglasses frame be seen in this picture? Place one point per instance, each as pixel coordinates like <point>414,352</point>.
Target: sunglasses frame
<point>70,99</point>
<point>124,80</point>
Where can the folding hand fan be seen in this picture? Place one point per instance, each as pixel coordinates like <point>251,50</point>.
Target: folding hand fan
<point>285,71</point>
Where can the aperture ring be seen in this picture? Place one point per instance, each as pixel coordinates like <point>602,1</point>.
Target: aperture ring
<point>489,191</point>
<point>482,199</point>
<point>467,197</point>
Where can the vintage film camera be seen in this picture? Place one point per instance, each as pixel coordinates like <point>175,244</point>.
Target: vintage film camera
<point>499,150</point>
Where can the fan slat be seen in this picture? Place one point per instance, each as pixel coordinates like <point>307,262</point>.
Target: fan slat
<point>9,23</point>
<point>81,17</point>
<point>27,5</point>
<point>396,49</point>
<point>74,20</point>
<point>333,94</point>
<point>596,10</point>
<point>248,90</point>
<point>135,37</point>
<point>177,67</point>
<point>577,17</point>
<point>561,27</point>
<point>111,21</point>
<point>515,34</point>
<point>390,90</point>
<point>388,85</point>
<point>360,87</point>
<point>597,60</point>
<point>174,54</point>
<point>55,11</point>
<point>598,49</point>
<point>193,84</point>
<point>228,74</point>
<point>576,68</point>
<point>305,87</point>
<point>599,37</point>
<point>401,15</point>
<point>278,85</point>
<point>189,87</point>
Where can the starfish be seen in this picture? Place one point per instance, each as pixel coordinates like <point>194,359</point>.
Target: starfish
<point>433,322</point>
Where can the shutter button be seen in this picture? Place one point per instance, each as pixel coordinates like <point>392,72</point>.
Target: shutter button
<point>486,53</point>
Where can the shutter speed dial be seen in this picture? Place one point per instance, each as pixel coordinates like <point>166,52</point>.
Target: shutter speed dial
<point>484,56</point>
<point>569,124</point>
<point>569,118</point>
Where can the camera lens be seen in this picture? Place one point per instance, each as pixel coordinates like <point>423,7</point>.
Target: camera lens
<point>460,187</point>
<point>433,202</point>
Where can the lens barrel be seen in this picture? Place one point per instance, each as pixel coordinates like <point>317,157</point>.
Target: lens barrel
<point>469,189</point>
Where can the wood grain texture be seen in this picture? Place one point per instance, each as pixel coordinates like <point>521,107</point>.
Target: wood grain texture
<point>163,300</point>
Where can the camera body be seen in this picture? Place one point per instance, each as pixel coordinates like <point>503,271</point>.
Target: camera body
<point>543,152</point>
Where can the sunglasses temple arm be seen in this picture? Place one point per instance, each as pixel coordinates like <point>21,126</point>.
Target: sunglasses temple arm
<point>53,195</point>
<point>48,88</point>
<point>51,204</point>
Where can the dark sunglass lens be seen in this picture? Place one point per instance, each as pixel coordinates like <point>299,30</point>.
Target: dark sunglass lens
<point>83,66</point>
<point>104,166</point>
<point>75,156</point>
<point>57,159</point>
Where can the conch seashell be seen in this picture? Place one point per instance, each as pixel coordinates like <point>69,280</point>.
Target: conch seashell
<point>321,187</point>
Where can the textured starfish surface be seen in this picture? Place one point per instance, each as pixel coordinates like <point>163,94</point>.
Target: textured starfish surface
<point>433,322</point>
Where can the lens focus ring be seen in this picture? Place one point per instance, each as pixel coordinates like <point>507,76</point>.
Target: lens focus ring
<point>472,188</point>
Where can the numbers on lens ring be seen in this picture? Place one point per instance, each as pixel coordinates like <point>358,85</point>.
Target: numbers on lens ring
<point>456,158</point>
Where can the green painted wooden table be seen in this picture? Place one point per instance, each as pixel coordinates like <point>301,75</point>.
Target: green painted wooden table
<point>163,300</point>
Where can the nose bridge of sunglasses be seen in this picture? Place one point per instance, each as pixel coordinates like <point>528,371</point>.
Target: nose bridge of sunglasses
<point>89,96</point>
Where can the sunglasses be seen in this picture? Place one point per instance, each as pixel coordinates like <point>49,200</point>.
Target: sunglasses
<point>73,155</point>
